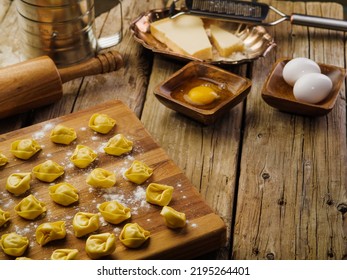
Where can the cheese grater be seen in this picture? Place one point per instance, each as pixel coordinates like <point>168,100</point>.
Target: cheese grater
<point>252,13</point>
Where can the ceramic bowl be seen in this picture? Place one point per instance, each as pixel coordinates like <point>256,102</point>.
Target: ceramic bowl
<point>234,90</point>
<point>278,94</point>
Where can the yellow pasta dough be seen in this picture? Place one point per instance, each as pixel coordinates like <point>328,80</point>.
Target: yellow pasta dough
<point>133,235</point>
<point>100,177</point>
<point>101,123</point>
<point>100,245</point>
<point>118,145</point>
<point>83,156</point>
<point>23,259</point>
<point>173,218</point>
<point>63,135</point>
<point>84,223</point>
<point>30,207</point>
<point>48,171</point>
<point>159,194</point>
<point>14,244</point>
<point>50,231</point>
<point>18,183</point>
<point>25,148</point>
<point>114,212</point>
<point>138,172</point>
<point>64,254</point>
<point>4,217</point>
<point>63,193</point>
<point>3,159</point>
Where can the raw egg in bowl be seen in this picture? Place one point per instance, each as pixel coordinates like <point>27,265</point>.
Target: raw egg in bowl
<point>202,91</point>
<point>312,94</point>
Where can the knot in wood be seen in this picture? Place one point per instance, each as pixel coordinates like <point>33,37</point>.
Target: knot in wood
<point>265,175</point>
<point>270,256</point>
<point>342,207</point>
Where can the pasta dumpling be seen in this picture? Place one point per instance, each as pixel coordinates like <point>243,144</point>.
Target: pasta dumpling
<point>63,193</point>
<point>14,244</point>
<point>138,172</point>
<point>101,123</point>
<point>30,207</point>
<point>100,177</point>
<point>18,183</point>
<point>62,135</point>
<point>133,235</point>
<point>3,159</point>
<point>159,194</point>
<point>50,231</point>
<point>83,156</point>
<point>114,212</point>
<point>84,223</point>
<point>4,217</point>
<point>118,145</point>
<point>100,245</point>
<point>48,171</point>
<point>64,254</point>
<point>173,218</point>
<point>25,148</point>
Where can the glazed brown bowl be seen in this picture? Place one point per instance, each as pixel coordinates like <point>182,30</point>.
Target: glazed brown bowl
<point>233,88</point>
<point>278,94</point>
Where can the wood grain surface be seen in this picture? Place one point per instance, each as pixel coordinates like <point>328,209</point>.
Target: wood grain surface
<point>204,232</point>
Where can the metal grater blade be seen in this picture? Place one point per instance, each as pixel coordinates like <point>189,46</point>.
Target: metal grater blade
<point>232,10</point>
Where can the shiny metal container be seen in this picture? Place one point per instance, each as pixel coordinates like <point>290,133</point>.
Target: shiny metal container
<point>62,29</point>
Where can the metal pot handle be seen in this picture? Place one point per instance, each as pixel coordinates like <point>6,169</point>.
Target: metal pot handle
<point>115,39</point>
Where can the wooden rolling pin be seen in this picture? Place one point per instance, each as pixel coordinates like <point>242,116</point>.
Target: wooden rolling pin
<point>38,82</point>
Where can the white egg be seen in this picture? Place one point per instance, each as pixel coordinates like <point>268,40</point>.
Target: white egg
<point>312,88</point>
<point>298,67</point>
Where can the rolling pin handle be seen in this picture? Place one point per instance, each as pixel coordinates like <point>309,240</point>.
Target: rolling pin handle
<point>103,63</point>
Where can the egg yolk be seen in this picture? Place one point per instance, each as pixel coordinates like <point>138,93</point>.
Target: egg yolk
<point>201,95</point>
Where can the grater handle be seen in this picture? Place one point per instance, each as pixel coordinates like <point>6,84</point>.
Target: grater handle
<point>312,21</point>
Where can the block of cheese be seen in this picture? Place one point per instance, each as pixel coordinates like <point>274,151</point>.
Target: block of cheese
<point>185,35</point>
<point>225,42</point>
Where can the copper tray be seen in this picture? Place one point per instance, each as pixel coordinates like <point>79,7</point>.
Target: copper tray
<point>257,41</point>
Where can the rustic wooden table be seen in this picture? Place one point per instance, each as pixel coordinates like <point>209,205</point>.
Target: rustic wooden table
<point>278,180</point>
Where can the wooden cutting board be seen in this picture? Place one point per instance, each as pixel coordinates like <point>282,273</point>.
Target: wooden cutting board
<point>204,232</point>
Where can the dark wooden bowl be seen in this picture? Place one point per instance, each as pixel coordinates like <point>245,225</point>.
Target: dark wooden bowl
<point>278,94</point>
<point>237,88</point>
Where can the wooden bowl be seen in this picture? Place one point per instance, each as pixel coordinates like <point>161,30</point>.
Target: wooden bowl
<point>278,94</point>
<point>233,89</point>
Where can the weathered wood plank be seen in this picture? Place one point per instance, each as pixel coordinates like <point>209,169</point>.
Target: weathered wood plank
<point>283,211</point>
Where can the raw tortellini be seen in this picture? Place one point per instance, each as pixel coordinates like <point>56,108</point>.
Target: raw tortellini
<point>83,156</point>
<point>64,254</point>
<point>3,159</point>
<point>48,171</point>
<point>63,193</point>
<point>63,135</point>
<point>100,245</point>
<point>85,223</point>
<point>133,235</point>
<point>100,177</point>
<point>173,218</point>
<point>114,212</point>
<point>101,123</point>
<point>25,148</point>
<point>118,145</point>
<point>50,231</point>
<point>14,244</point>
<point>138,172</point>
<point>18,183</point>
<point>159,194</point>
<point>4,217</point>
<point>30,207</point>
